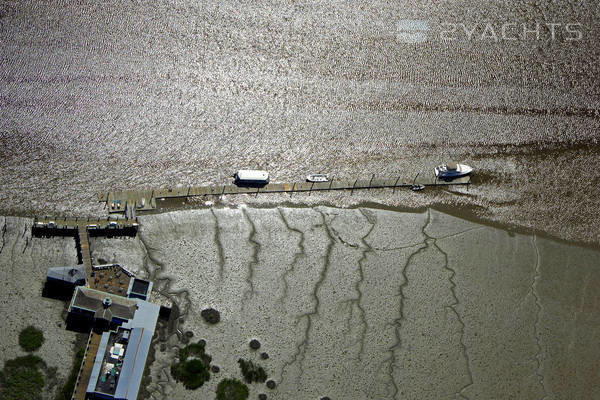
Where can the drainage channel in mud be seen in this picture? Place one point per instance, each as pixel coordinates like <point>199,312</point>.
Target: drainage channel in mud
<point>363,287</point>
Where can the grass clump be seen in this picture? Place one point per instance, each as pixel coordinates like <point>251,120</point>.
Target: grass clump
<point>193,368</point>
<point>31,338</point>
<point>211,315</point>
<point>252,372</point>
<point>232,389</point>
<point>67,390</point>
<point>22,378</point>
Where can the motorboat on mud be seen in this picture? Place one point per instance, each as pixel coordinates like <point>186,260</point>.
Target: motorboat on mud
<point>452,171</point>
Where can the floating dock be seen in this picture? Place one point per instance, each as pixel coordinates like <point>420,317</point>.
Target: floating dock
<point>130,202</point>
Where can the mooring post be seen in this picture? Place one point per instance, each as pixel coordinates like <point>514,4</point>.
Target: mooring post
<point>330,183</point>
<point>311,186</point>
<point>257,190</point>
<point>292,191</point>
<point>223,191</point>
<point>371,181</point>
<point>188,192</point>
<point>395,183</point>
<point>352,191</point>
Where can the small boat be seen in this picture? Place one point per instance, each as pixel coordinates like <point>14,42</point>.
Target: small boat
<point>452,170</point>
<point>416,187</point>
<point>317,178</point>
<point>251,177</point>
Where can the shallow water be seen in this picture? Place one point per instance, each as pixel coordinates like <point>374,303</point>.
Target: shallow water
<point>374,304</point>
<point>125,95</point>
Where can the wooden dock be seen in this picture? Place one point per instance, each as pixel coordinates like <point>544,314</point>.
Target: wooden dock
<point>130,202</point>
<point>86,254</point>
<point>75,223</point>
<point>82,229</point>
<point>85,370</point>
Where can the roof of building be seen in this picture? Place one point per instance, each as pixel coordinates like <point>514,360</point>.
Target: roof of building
<point>139,288</point>
<point>67,274</point>
<point>134,364</point>
<point>124,382</point>
<point>100,354</point>
<point>104,305</point>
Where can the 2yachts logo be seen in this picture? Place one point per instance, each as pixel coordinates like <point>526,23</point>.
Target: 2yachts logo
<point>418,31</point>
<point>412,31</point>
<point>511,31</point>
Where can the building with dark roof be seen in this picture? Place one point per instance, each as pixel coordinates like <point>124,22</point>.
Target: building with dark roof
<point>100,306</point>
<point>67,276</point>
<point>139,288</point>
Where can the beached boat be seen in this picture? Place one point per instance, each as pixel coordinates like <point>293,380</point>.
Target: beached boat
<point>452,171</point>
<point>251,177</point>
<point>317,178</point>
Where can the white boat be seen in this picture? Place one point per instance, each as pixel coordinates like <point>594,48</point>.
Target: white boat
<point>248,176</point>
<point>317,178</point>
<point>452,171</point>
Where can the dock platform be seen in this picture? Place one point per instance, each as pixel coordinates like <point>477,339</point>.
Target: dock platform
<point>129,202</point>
<point>82,229</point>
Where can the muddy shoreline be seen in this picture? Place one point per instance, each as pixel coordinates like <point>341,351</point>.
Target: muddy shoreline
<point>468,212</point>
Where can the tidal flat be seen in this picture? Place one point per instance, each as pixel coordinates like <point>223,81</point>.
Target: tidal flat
<point>371,304</point>
<point>23,264</point>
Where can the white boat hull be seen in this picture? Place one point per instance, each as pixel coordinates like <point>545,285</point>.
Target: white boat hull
<point>447,173</point>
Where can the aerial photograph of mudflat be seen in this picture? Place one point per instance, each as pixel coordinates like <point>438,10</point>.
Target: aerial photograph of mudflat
<point>299,200</point>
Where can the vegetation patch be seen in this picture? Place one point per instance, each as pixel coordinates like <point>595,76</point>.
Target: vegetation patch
<point>31,338</point>
<point>193,368</point>
<point>22,378</point>
<point>211,315</point>
<point>67,390</point>
<point>232,389</point>
<point>252,372</point>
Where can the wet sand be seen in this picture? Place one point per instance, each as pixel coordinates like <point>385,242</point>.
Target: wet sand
<point>23,265</point>
<point>374,304</point>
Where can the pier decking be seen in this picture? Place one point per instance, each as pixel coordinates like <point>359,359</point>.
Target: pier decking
<point>130,202</point>
<point>85,370</point>
<point>81,229</point>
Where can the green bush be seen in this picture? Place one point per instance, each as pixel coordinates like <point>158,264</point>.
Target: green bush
<point>193,372</point>
<point>252,372</point>
<point>67,390</point>
<point>232,389</point>
<point>22,378</point>
<point>31,338</point>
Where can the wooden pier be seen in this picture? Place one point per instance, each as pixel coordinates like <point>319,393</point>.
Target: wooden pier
<point>81,229</point>
<point>86,254</point>
<point>130,202</point>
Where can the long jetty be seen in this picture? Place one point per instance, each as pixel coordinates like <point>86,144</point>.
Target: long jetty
<point>130,202</point>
